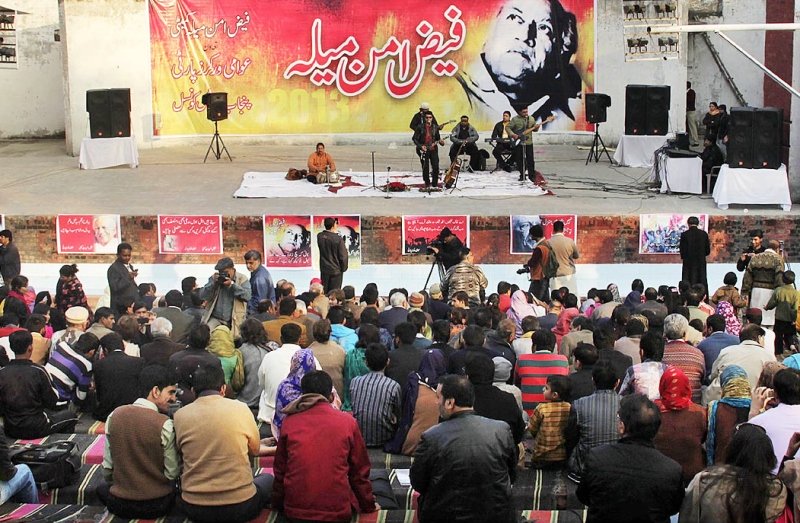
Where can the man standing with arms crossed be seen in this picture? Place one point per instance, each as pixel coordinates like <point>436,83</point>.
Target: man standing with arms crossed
<point>332,255</point>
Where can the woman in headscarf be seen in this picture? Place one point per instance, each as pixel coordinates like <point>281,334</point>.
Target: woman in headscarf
<point>726,413</point>
<point>632,301</point>
<point>683,424</point>
<point>732,323</point>
<point>564,321</point>
<point>289,390</point>
<point>221,345</point>
<point>520,308</point>
<point>420,406</point>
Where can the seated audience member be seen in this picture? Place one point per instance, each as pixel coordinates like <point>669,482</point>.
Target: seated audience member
<point>419,321</point>
<point>405,358</point>
<point>683,424</point>
<point>329,354</point>
<point>320,479</point>
<point>37,326</point>
<point>16,481</point>
<point>396,314</point>
<point>104,320</point>
<point>742,489</point>
<point>548,424</point>
<point>302,363</point>
<point>629,344</point>
<point>440,331</point>
<point>420,408</point>
<point>474,482</point>
<point>503,371</point>
<point>223,489</point>
<point>607,305</point>
<point>580,332</point>
<point>534,369</point>
<point>679,353</point>
<point>437,306</point>
<point>521,308</point>
<point>630,480</point>
<point>254,347</point>
<point>128,328</point>
<point>162,347</point>
<point>645,377</point>
<point>116,377</point>
<point>603,341</point>
<point>370,316</point>
<point>581,383</point>
<point>181,321</point>
<point>716,340</point>
<point>564,322</point>
<point>355,361</point>
<point>77,318</point>
<point>749,355</point>
<point>783,420</point>
<point>27,397</point>
<point>651,303</point>
<point>221,345</point>
<point>524,344</point>
<point>288,313</point>
<point>183,363</point>
<point>498,341</point>
<point>375,399</point>
<point>726,414</point>
<point>491,402</point>
<point>341,333</point>
<point>596,419</point>
<point>140,461</point>
<point>70,369</point>
<point>732,324</point>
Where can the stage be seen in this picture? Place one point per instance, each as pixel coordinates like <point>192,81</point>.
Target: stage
<point>39,178</point>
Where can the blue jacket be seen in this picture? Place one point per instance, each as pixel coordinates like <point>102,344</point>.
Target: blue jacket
<point>344,336</point>
<point>261,288</point>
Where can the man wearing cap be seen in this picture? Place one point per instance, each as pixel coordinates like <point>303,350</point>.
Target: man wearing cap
<point>419,118</point>
<point>226,295</point>
<point>438,308</point>
<point>77,318</point>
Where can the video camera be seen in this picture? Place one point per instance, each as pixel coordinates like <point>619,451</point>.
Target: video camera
<point>438,243</point>
<point>524,270</point>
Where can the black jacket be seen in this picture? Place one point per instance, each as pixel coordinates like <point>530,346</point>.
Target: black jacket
<point>581,383</point>
<point>439,309</point>
<point>332,253</point>
<point>463,469</point>
<point>419,136</point>
<point>7,469</point>
<point>159,350</point>
<point>402,361</point>
<point>500,347</point>
<point>123,287</point>
<point>618,361</point>
<point>25,392</point>
<point>116,379</point>
<point>9,262</point>
<point>630,481</point>
<point>493,403</point>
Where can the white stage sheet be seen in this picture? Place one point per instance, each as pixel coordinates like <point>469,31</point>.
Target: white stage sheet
<point>683,175</point>
<point>99,153</point>
<point>274,185</point>
<point>637,151</point>
<point>753,186</point>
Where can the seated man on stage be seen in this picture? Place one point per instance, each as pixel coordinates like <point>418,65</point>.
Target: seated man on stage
<point>711,156</point>
<point>503,142</point>
<point>464,137</point>
<point>427,139</point>
<point>320,161</point>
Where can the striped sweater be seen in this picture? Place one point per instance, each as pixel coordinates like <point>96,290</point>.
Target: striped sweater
<point>532,372</point>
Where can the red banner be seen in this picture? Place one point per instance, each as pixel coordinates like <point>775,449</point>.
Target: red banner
<point>420,231</point>
<point>287,241</point>
<point>180,234</point>
<point>87,233</point>
<point>520,241</point>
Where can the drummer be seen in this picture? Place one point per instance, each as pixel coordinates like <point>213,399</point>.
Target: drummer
<point>320,161</point>
<point>503,142</point>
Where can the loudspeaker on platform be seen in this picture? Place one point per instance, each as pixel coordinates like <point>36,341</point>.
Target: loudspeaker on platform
<point>635,109</point>
<point>658,109</point>
<point>109,112</point>
<point>740,137</point>
<point>767,134</point>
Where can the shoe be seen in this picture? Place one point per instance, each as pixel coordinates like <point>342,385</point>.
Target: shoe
<point>521,178</point>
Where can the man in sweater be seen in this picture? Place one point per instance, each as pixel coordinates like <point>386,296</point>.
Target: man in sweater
<point>761,277</point>
<point>465,276</point>
<point>679,353</point>
<point>533,369</point>
<point>216,438</point>
<point>332,255</point>
<point>785,300</point>
<point>566,252</point>
<point>140,461</point>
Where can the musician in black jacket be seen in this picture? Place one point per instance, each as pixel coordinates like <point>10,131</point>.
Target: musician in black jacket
<point>503,144</point>
<point>427,139</point>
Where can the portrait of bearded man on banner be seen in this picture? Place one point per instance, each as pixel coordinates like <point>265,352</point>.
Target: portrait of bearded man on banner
<point>526,61</point>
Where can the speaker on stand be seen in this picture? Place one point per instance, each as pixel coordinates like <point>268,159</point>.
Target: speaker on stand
<point>596,113</point>
<point>216,111</point>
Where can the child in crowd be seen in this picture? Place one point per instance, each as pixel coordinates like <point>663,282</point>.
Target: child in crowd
<point>548,425</point>
<point>729,293</point>
<point>785,300</point>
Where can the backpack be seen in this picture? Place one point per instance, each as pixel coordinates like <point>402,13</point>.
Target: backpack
<point>54,465</point>
<point>550,268</point>
<point>237,379</point>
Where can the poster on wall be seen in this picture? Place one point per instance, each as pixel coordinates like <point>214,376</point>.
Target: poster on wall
<point>295,68</point>
<point>87,233</point>
<point>520,226</point>
<point>661,233</point>
<point>183,234</point>
<point>287,241</point>
<point>420,231</point>
<point>350,230</point>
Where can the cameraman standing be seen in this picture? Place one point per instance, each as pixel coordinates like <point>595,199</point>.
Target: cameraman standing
<point>447,248</point>
<point>540,284</point>
<point>226,295</point>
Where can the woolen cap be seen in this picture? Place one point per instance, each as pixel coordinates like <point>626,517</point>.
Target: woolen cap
<point>435,290</point>
<point>76,315</point>
<point>416,300</point>
<point>223,263</point>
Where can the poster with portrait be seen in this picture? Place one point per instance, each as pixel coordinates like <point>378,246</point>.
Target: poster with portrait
<point>87,233</point>
<point>422,230</point>
<point>287,241</point>
<point>520,225</point>
<point>185,234</point>
<point>350,230</point>
<point>295,68</point>
<point>661,233</point>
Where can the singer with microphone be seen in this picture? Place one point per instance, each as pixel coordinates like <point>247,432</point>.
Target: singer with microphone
<point>427,139</point>
<point>122,279</point>
<point>522,128</point>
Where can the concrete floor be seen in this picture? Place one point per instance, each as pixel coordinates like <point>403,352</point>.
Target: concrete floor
<point>39,178</point>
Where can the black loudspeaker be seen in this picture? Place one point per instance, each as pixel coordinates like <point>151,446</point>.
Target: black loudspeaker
<point>216,106</point>
<point>740,137</point>
<point>120,107</point>
<point>767,133</point>
<point>657,109</point>
<point>635,109</point>
<point>97,103</point>
<point>596,105</point>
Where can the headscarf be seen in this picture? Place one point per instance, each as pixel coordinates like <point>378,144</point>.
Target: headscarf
<point>520,308</point>
<point>615,292</point>
<point>676,393</point>
<point>632,301</point>
<point>732,324</point>
<point>793,361</point>
<point>302,363</point>
<point>564,323</point>
<point>221,342</point>
<point>432,367</point>
<point>736,393</point>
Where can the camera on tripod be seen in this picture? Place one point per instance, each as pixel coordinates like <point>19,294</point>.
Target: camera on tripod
<point>438,243</point>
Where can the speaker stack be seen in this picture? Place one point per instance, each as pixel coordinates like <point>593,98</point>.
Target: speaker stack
<point>754,138</point>
<point>109,112</point>
<point>647,109</point>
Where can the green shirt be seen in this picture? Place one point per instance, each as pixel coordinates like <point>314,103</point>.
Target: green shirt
<point>519,124</point>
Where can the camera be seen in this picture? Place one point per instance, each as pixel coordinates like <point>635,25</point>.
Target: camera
<point>143,320</point>
<point>524,270</point>
<point>222,276</point>
<point>438,243</point>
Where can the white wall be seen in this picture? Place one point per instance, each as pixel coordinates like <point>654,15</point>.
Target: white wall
<point>33,92</point>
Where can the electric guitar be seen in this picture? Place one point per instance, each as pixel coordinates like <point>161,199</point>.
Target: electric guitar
<point>533,129</point>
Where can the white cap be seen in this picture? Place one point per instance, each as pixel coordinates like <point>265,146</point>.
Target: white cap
<point>425,105</point>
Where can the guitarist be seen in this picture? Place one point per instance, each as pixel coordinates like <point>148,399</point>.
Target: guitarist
<point>427,139</point>
<point>464,138</point>
<point>522,127</point>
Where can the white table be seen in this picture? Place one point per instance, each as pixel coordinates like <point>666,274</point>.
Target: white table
<point>753,186</point>
<point>684,175</point>
<point>99,153</point>
<point>637,150</point>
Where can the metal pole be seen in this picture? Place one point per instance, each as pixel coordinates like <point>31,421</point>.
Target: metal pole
<point>702,28</point>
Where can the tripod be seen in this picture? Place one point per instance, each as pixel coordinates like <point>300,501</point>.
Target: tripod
<point>596,150</point>
<point>214,146</point>
<point>374,186</point>
<point>436,263</point>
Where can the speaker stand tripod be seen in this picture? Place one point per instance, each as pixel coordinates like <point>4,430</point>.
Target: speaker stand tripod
<point>598,147</point>
<point>214,146</point>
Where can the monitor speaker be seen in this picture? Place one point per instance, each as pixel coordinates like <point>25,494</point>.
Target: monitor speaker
<point>216,106</point>
<point>767,132</point>
<point>658,109</point>
<point>740,137</point>
<point>635,109</point>
<point>596,105</point>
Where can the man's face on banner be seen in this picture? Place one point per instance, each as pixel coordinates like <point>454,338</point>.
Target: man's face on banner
<point>520,41</point>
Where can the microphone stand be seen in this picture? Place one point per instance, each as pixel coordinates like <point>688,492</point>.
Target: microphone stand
<point>373,174</point>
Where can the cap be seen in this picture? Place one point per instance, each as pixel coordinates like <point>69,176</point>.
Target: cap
<point>425,105</point>
<point>754,312</point>
<point>223,263</point>
<point>502,369</point>
<point>315,280</point>
<point>76,315</point>
<point>435,290</point>
<point>416,300</point>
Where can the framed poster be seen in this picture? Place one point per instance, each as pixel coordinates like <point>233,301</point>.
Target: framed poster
<point>520,225</point>
<point>287,241</point>
<point>421,230</point>
<point>661,233</point>
<point>188,234</point>
<point>87,233</point>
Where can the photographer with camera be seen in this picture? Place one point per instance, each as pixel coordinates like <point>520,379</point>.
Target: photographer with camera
<point>465,276</point>
<point>226,295</point>
<point>447,248</point>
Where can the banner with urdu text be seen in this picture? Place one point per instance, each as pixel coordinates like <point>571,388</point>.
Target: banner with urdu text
<point>353,66</point>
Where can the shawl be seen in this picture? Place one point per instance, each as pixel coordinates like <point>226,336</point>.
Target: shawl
<point>564,323</point>
<point>736,393</point>
<point>732,324</point>
<point>221,342</point>
<point>632,301</point>
<point>520,308</point>
<point>676,393</point>
<point>289,390</point>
